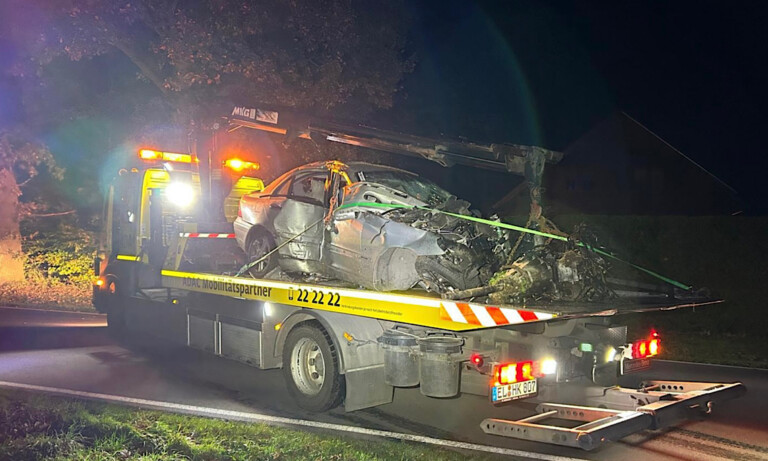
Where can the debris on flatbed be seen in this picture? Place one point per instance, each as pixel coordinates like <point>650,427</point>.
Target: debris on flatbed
<point>555,272</point>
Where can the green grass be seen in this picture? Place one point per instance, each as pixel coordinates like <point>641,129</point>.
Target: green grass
<point>34,427</point>
<point>685,338</point>
<point>723,350</point>
<point>47,294</point>
<point>726,254</point>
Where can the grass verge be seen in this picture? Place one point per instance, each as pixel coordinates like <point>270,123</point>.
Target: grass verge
<point>34,427</point>
<point>684,340</point>
<point>732,350</point>
<point>45,294</point>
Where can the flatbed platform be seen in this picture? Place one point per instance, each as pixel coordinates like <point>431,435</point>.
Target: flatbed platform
<point>424,309</point>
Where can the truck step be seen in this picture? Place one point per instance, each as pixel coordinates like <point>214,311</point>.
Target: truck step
<point>668,403</point>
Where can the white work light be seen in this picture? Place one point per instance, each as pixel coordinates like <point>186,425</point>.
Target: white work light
<point>549,367</point>
<point>180,194</point>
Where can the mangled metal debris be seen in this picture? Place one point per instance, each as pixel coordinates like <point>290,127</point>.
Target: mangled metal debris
<point>552,274</point>
<point>387,229</point>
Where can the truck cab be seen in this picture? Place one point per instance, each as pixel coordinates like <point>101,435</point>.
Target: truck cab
<point>146,209</point>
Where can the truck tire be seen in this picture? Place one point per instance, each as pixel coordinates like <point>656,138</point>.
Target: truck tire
<point>311,369</point>
<point>259,244</point>
<point>116,323</point>
<point>115,308</point>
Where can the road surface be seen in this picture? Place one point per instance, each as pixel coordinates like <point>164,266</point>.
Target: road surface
<point>74,353</point>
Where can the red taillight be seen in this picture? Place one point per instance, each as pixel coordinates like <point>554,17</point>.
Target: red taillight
<point>477,360</point>
<point>646,348</point>
<point>509,373</point>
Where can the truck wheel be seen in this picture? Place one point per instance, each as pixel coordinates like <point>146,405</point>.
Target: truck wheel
<point>259,244</point>
<point>116,322</point>
<point>311,369</point>
<point>115,308</point>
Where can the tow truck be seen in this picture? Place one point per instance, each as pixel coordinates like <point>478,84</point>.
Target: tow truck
<point>166,271</point>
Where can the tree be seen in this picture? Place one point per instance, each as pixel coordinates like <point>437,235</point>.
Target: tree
<point>184,62</point>
<point>20,160</point>
<point>200,54</point>
<point>194,59</point>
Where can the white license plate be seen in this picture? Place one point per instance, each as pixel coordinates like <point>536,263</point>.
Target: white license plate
<point>506,392</point>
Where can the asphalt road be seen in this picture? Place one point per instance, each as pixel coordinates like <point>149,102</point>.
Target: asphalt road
<point>70,351</point>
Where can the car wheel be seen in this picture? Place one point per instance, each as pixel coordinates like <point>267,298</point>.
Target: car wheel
<point>311,369</point>
<point>260,244</point>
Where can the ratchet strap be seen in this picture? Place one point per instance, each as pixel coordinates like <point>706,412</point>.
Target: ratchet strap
<point>519,229</point>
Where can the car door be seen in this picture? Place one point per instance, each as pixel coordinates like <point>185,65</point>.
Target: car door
<point>299,222</point>
<point>345,254</point>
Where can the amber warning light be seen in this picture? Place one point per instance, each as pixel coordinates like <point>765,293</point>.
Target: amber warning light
<point>235,164</point>
<point>149,154</point>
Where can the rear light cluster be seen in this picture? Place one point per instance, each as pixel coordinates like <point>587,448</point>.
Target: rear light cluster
<point>509,373</point>
<point>647,347</point>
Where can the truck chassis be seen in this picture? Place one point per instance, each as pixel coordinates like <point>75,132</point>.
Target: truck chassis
<point>257,322</point>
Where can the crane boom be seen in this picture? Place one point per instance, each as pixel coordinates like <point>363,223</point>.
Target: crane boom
<point>446,152</point>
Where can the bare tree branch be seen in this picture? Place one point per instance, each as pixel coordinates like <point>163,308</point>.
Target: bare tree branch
<point>48,215</point>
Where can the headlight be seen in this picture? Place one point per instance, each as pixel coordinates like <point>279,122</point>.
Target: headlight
<point>180,194</point>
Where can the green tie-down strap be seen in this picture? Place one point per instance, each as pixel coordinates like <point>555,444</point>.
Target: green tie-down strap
<point>518,229</point>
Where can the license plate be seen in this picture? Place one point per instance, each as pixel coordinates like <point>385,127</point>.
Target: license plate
<point>634,365</point>
<point>506,392</point>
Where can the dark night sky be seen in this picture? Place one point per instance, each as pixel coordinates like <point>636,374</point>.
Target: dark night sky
<point>546,72</point>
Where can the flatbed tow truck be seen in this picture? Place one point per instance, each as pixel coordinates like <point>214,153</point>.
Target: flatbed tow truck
<point>167,273</point>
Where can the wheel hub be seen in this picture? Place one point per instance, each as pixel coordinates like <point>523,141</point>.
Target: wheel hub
<point>308,366</point>
<point>257,251</point>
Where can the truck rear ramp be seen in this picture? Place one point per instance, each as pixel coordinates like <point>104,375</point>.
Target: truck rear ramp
<point>664,404</point>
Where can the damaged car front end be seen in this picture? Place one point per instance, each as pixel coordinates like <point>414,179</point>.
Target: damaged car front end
<point>447,254</point>
<point>367,225</point>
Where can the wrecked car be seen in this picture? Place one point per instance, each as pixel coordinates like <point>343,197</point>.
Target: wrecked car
<point>369,225</point>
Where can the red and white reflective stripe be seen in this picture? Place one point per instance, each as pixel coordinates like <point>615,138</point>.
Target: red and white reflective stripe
<point>197,235</point>
<point>487,316</point>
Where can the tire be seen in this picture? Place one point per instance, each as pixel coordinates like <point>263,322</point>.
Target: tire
<point>259,244</point>
<point>311,369</point>
<point>116,322</point>
<point>115,307</point>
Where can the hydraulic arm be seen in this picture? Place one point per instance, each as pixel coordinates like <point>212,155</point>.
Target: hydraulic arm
<point>446,152</point>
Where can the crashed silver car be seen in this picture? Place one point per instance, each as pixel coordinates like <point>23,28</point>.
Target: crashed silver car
<point>368,225</point>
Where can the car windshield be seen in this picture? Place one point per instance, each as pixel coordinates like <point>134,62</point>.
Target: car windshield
<point>413,185</point>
